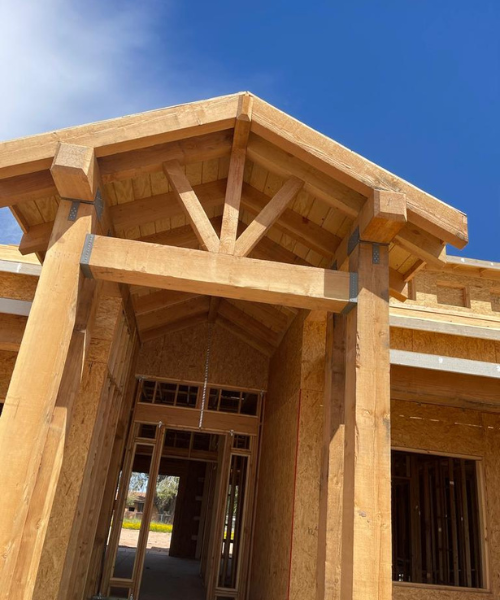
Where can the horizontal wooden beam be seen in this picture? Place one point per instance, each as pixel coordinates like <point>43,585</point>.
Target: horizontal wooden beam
<point>463,326</point>
<point>338,162</point>
<point>449,364</point>
<point>195,271</point>
<point>35,153</point>
<point>26,187</point>
<point>444,389</point>
<point>189,418</point>
<point>127,165</point>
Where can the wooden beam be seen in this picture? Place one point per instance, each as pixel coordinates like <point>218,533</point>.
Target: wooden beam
<point>444,389</point>
<point>293,224</point>
<point>380,219</point>
<point>26,187</point>
<point>231,215</point>
<point>321,186</point>
<point>195,271</point>
<point>214,308</point>
<point>152,334</point>
<point>329,572</point>
<point>340,163</point>
<point>412,271</point>
<point>11,332</point>
<point>252,326</point>
<point>267,217</point>
<point>450,364</point>
<point>74,172</point>
<point>192,206</point>
<point>366,521</point>
<point>422,244</point>
<point>261,345</point>
<point>49,344</point>
<point>422,318</point>
<point>398,286</point>
<point>133,132</point>
<point>127,165</point>
<point>36,239</point>
<point>163,316</point>
<point>156,300</point>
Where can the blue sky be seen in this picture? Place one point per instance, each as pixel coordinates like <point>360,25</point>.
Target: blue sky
<point>411,85</point>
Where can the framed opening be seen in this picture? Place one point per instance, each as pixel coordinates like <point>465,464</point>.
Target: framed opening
<point>437,522</point>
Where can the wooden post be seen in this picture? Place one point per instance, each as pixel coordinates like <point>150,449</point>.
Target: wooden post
<point>366,540</point>
<point>78,449</point>
<point>332,471</point>
<point>39,402</point>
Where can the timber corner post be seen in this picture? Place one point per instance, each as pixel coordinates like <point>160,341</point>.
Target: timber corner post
<point>366,522</point>
<point>38,409</point>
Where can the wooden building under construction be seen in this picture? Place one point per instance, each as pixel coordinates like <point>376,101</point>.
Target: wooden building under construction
<point>218,294</point>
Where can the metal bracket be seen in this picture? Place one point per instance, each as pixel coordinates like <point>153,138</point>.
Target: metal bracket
<point>73,211</point>
<point>353,293</point>
<point>353,241</point>
<point>98,204</point>
<point>375,254</point>
<point>85,257</point>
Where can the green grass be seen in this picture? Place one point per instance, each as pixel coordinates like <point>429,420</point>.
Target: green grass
<point>154,526</point>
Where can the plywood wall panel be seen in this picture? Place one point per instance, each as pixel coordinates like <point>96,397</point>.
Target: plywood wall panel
<point>17,287</point>
<point>7,362</point>
<point>181,355</point>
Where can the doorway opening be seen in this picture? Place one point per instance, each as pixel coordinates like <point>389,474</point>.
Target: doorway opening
<point>181,528</point>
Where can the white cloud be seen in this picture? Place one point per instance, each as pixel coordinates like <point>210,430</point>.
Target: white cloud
<point>65,63</point>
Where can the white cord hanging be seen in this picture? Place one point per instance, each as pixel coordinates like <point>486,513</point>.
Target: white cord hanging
<point>205,381</point>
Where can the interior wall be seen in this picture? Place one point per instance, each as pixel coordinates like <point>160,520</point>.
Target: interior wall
<point>461,432</point>
<point>286,530</point>
<point>181,355</point>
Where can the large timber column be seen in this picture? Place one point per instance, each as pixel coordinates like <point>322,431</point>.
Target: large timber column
<point>366,539</point>
<point>46,376</point>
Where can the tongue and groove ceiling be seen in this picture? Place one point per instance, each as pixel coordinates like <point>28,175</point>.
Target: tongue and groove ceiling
<point>333,185</point>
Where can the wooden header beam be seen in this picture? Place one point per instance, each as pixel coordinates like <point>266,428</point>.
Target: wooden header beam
<point>195,271</point>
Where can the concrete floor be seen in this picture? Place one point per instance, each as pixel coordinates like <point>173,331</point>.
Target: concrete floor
<point>164,577</point>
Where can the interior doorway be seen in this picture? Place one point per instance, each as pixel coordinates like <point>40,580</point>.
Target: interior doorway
<point>181,527</point>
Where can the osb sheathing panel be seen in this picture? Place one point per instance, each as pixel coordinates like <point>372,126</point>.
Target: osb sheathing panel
<point>285,548</point>
<point>7,362</point>
<point>481,293</point>
<point>273,528</point>
<point>17,287</point>
<point>445,345</point>
<point>461,432</point>
<point>181,355</point>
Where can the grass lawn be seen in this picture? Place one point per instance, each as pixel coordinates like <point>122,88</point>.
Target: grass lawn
<point>154,526</point>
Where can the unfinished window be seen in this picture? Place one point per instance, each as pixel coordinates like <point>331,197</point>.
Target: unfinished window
<point>452,295</point>
<point>436,525</point>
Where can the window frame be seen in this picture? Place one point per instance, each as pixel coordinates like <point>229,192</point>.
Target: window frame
<point>482,517</point>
